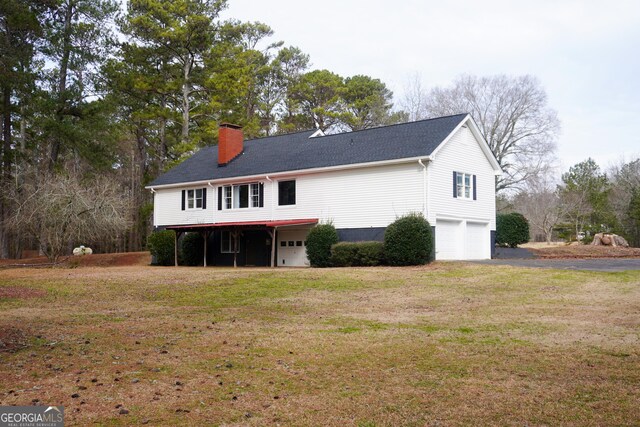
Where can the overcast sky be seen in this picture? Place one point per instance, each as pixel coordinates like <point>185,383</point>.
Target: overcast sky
<point>586,54</point>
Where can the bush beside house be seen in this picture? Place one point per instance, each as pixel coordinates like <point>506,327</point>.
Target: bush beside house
<point>319,242</point>
<point>408,241</point>
<point>162,248</point>
<point>357,254</point>
<point>512,229</point>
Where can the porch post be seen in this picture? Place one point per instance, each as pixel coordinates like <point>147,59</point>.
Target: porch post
<point>235,248</point>
<point>175,247</point>
<point>206,238</point>
<point>273,247</point>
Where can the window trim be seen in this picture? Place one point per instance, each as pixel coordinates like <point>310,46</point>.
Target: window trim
<point>230,249</point>
<point>231,196</point>
<point>464,189</point>
<point>194,199</point>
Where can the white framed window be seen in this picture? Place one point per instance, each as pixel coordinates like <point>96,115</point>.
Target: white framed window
<point>254,191</point>
<point>226,242</point>
<point>243,196</point>
<point>194,198</point>
<point>464,185</point>
<point>228,199</point>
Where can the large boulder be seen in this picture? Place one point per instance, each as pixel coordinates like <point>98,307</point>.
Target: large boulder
<point>81,250</point>
<point>609,239</point>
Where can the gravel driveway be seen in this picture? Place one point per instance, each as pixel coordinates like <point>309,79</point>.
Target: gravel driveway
<point>595,264</point>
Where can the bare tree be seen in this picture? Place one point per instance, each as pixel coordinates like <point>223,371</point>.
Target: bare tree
<point>415,99</point>
<point>514,117</point>
<point>541,204</point>
<point>59,211</point>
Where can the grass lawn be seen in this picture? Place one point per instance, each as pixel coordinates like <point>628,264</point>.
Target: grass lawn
<point>447,344</point>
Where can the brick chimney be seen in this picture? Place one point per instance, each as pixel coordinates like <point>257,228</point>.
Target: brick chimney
<point>230,139</point>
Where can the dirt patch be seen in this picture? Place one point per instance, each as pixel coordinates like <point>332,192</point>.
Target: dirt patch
<point>110,260</point>
<point>585,251</point>
<point>17,292</point>
<point>123,259</point>
<point>12,339</point>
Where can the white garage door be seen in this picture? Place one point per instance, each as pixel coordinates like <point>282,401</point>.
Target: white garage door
<point>292,251</point>
<point>449,240</point>
<point>477,241</point>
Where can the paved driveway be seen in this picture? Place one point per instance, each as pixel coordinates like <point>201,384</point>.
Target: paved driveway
<point>595,264</point>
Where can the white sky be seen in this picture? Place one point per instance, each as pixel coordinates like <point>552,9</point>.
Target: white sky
<point>586,54</point>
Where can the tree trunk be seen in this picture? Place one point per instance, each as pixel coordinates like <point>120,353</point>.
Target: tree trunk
<point>162,154</point>
<point>186,91</point>
<point>5,177</point>
<point>62,83</point>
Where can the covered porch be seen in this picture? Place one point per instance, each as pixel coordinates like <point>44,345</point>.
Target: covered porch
<point>250,243</point>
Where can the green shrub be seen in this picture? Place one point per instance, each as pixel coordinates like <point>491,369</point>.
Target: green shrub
<point>319,242</point>
<point>512,229</point>
<point>408,241</point>
<point>161,245</point>
<point>357,254</point>
<point>192,249</point>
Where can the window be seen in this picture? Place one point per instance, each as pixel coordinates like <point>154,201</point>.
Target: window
<point>195,198</point>
<point>464,185</point>
<point>226,242</point>
<point>255,195</point>
<point>242,196</point>
<point>227,197</point>
<point>286,193</point>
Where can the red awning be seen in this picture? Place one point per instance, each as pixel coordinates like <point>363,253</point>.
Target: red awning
<point>268,224</point>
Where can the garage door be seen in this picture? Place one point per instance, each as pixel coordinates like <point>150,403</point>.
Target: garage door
<point>292,251</point>
<point>477,241</point>
<point>449,243</point>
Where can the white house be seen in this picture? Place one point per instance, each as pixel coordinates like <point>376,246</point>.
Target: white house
<point>255,201</point>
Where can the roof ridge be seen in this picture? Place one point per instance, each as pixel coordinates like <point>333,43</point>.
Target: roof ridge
<point>280,134</point>
<point>392,125</point>
<point>359,130</point>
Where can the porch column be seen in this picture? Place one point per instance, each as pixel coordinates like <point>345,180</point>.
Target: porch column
<point>235,248</point>
<point>175,247</point>
<point>272,233</point>
<point>206,239</point>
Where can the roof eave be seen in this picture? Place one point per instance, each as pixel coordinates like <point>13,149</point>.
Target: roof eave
<point>297,172</point>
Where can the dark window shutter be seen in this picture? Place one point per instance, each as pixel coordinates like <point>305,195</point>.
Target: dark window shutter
<point>184,197</point>
<point>204,198</point>
<point>455,184</point>
<point>220,198</point>
<point>261,196</point>
<point>474,187</point>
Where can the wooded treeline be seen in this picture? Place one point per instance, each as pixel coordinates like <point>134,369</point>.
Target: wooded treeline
<point>111,97</point>
<point>587,201</point>
<point>99,98</point>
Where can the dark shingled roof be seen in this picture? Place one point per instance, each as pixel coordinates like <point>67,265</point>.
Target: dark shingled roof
<point>297,151</point>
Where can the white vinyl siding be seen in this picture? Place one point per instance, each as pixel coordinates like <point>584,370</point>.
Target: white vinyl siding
<point>364,197</point>
<point>462,153</point>
<point>168,208</point>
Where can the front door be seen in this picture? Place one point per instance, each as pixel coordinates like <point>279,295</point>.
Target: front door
<point>257,247</point>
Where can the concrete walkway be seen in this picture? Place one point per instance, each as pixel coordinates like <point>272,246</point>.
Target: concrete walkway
<point>594,264</point>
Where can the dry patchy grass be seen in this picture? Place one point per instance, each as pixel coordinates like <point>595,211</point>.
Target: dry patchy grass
<point>447,344</point>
